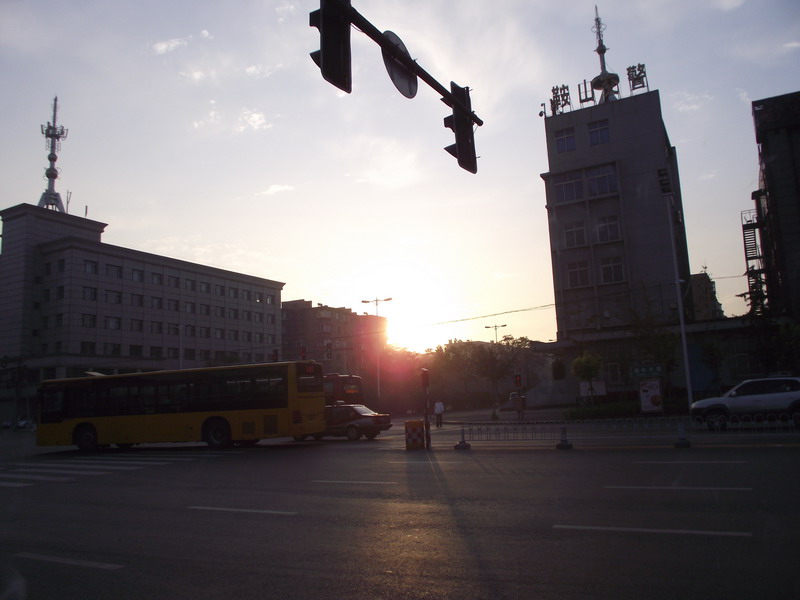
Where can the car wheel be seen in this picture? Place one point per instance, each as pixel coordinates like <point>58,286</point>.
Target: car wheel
<point>352,433</point>
<point>717,420</point>
<point>217,434</point>
<point>85,438</point>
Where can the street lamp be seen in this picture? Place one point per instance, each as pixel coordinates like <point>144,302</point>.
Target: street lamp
<point>377,301</point>
<point>495,327</point>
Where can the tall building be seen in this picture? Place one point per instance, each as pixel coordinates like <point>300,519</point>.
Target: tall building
<point>343,341</point>
<point>772,230</point>
<point>71,304</point>
<point>615,214</point>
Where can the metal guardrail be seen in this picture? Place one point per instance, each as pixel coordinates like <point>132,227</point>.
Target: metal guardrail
<point>679,429</point>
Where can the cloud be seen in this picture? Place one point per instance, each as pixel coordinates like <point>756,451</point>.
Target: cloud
<point>253,120</point>
<point>687,102</point>
<point>168,46</point>
<point>284,11</point>
<point>276,189</point>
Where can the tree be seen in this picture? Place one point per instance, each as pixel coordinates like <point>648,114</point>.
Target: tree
<point>586,368</point>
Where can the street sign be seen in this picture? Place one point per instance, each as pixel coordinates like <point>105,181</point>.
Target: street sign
<point>404,80</point>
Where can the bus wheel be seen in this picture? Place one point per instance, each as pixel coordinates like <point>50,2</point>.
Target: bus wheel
<point>85,438</point>
<point>217,434</point>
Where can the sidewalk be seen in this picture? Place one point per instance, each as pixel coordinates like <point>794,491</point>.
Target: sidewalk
<point>16,443</point>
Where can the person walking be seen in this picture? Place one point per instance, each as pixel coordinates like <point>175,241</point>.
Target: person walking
<point>438,408</point>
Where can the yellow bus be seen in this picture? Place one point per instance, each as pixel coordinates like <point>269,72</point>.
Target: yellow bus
<point>221,406</point>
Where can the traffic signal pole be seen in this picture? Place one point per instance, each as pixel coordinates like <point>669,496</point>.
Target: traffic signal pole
<point>409,63</point>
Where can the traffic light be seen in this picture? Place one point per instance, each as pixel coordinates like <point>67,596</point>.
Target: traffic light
<point>518,380</point>
<point>333,57</point>
<point>461,124</point>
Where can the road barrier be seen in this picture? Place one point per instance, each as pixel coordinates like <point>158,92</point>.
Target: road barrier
<point>679,430</point>
<point>415,435</point>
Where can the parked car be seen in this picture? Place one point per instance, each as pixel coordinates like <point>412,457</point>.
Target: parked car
<point>767,397</point>
<point>354,420</point>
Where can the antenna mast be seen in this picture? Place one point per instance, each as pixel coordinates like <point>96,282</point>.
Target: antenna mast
<point>605,82</point>
<point>51,199</point>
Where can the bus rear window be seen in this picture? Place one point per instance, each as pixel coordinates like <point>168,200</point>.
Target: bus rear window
<point>309,377</point>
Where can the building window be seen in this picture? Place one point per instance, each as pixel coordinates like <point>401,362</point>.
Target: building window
<point>88,348</point>
<point>611,270</point>
<point>114,271</point>
<point>89,320</point>
<point>189,331</point>
<point>156,327</point>
<point>205,354</point>
<point>259,357</point>
<point>157,278</point>
<point>259,317</point>
<point>173,281</point>
<point>59,319</point>
<point>155,351</point>
<point>90,266</point>
<point>246,295</point>
<point>173,329</point>
<point>568,186</point>
<point>259,337</point>
<point>578,274</point>
<point>233,293</point>
<point>233,313</point>
<point>189,307</point>
<point>61,265</point>
<point>189,285</point>
<point>270,299</point>
<point>172,353</point>
<point>113,323</point>
<point>247,315</point>
<point>173,305</point>
<point>60,292</point>
<point>598,132</point>
<point>89,293</point>
<point>189,353</point>
<point>271,319</point>
<point>135,351</point>
<point>110,349</point>
<point>219,290</point>
<point>113,297</point>
<point>137,275</point>
<point>204,332</point>
<point>608,229</point>
<point>602,180</point>
<point>233,335</point>
<point>205,309</point>
<point>219,312</point>
<point>565,140</point>
<point>205,287</point>
<point>259,297</point>
<point>574,234</point>
<point>137,325</point>
<point>219,334</point>
<point>137,300</point>
<point>156,302</point>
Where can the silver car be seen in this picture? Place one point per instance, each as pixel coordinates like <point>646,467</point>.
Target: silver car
<point>771,397</point>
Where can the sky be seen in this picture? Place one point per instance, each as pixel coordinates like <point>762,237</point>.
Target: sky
<point>202,130</point>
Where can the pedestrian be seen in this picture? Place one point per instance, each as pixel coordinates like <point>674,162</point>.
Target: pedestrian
<point>438,408</point>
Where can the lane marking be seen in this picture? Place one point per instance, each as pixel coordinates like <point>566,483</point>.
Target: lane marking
<point>244,510</point>
<point>359,482</point>
<point>61,472</point>
<point>114,461</point>
<point>678,488</point>
<point>12,484</point>
<point>69,561</point>
<point>691,462</point>
<point>658,531</point>
<point>35,477</point>
<point>74,465</point>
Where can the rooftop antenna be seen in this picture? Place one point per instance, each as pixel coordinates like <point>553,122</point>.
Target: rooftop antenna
<point>605,82</point>
<point>51,199</point>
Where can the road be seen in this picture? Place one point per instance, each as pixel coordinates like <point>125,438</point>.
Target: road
<point>339,520</point>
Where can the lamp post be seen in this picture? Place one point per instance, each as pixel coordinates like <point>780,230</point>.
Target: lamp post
<point>495,327</point>
<point>377,301</point>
